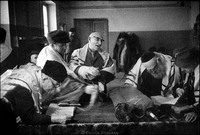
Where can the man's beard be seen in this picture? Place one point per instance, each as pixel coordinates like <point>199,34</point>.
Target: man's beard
<point>160,72</point>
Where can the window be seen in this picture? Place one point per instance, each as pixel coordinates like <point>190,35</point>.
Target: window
<point>49,17</point>
<point>45,20</point>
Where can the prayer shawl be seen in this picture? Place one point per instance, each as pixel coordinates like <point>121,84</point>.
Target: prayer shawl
<point>169,80</point>
<point>48,53</point>
<point>70,92</point>
<point>79,56</point>
<point>28,76</point>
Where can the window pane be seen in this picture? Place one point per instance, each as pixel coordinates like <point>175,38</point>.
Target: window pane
<point>45,15</point>
<point>45,19</point>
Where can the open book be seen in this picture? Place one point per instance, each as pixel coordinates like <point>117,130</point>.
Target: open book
<point>55,109</point>
<point>158,100</point>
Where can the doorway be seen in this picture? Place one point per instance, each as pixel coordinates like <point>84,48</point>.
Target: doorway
<point>85,26</point>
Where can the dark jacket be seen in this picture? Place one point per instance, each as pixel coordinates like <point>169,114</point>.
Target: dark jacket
<point>23,106</point>
<point>133,51</point>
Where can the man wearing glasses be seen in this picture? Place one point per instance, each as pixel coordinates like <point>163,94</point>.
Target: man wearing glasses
<point>92,64</point>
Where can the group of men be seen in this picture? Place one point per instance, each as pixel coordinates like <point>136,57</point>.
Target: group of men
<point>159,74</point>
<point>86,73</point>
<point>53,80</point>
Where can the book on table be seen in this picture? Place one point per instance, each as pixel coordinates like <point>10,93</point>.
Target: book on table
<point>66,111</point>
<point>158,100</point>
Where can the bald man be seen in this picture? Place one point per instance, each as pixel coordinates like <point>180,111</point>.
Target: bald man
<point>92,64</point>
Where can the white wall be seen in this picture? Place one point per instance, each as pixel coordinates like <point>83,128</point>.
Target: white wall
<point>194,12</point>
<point>4,21</point>
<point>4,12</point>
<point>136,19</point>
<point>133,15</point>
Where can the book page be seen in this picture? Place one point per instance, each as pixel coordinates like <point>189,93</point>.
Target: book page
<point>158,100</point>
<point>54,109</point>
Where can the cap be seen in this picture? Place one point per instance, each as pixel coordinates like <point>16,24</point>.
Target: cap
<point>34,52</point>
<point>96,34</point>
<point>55,70</point>
<point>148,60</point>
<point>59,36</point>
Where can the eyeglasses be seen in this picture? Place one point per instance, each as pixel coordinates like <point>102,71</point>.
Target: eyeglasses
<point>98,39</point>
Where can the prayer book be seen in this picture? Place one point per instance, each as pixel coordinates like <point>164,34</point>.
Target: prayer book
<point>158,100</point>
<point>55,109</point>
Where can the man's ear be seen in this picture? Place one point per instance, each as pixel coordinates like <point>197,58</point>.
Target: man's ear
<point>89,39</point>
<point>158,59</point>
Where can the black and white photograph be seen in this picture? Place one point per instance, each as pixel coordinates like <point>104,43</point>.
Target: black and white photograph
<point>99,67</point>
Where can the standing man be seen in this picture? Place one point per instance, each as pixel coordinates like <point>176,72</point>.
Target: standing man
<point>74,43</point>
<point>8,56</point>
<point>93,65</point>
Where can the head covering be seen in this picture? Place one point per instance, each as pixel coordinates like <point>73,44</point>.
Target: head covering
<point>58,36</point>
<point>2,35</point>
<point>96,34</point>
<point>186,58</point>
<point>55,70</point>
<point>148,60</point>
<point>72,30</point>
<point>34,52</point>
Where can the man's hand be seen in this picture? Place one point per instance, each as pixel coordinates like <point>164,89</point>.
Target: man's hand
<point>90,89</point>
<point>101,87</point>
<point>178,110</point>
<point>93,91</point>
<point>87,72</point>
<point>179,91</point>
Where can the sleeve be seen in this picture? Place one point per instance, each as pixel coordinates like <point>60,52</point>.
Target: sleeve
<point>107,74</point>
<point>23,105</point>
<point>104,77</point>
<point>74,62</point>
<point>108,64</point>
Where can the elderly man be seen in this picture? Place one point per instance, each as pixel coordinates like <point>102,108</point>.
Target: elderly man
<point>154,74</point>
<point>92,64</point>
